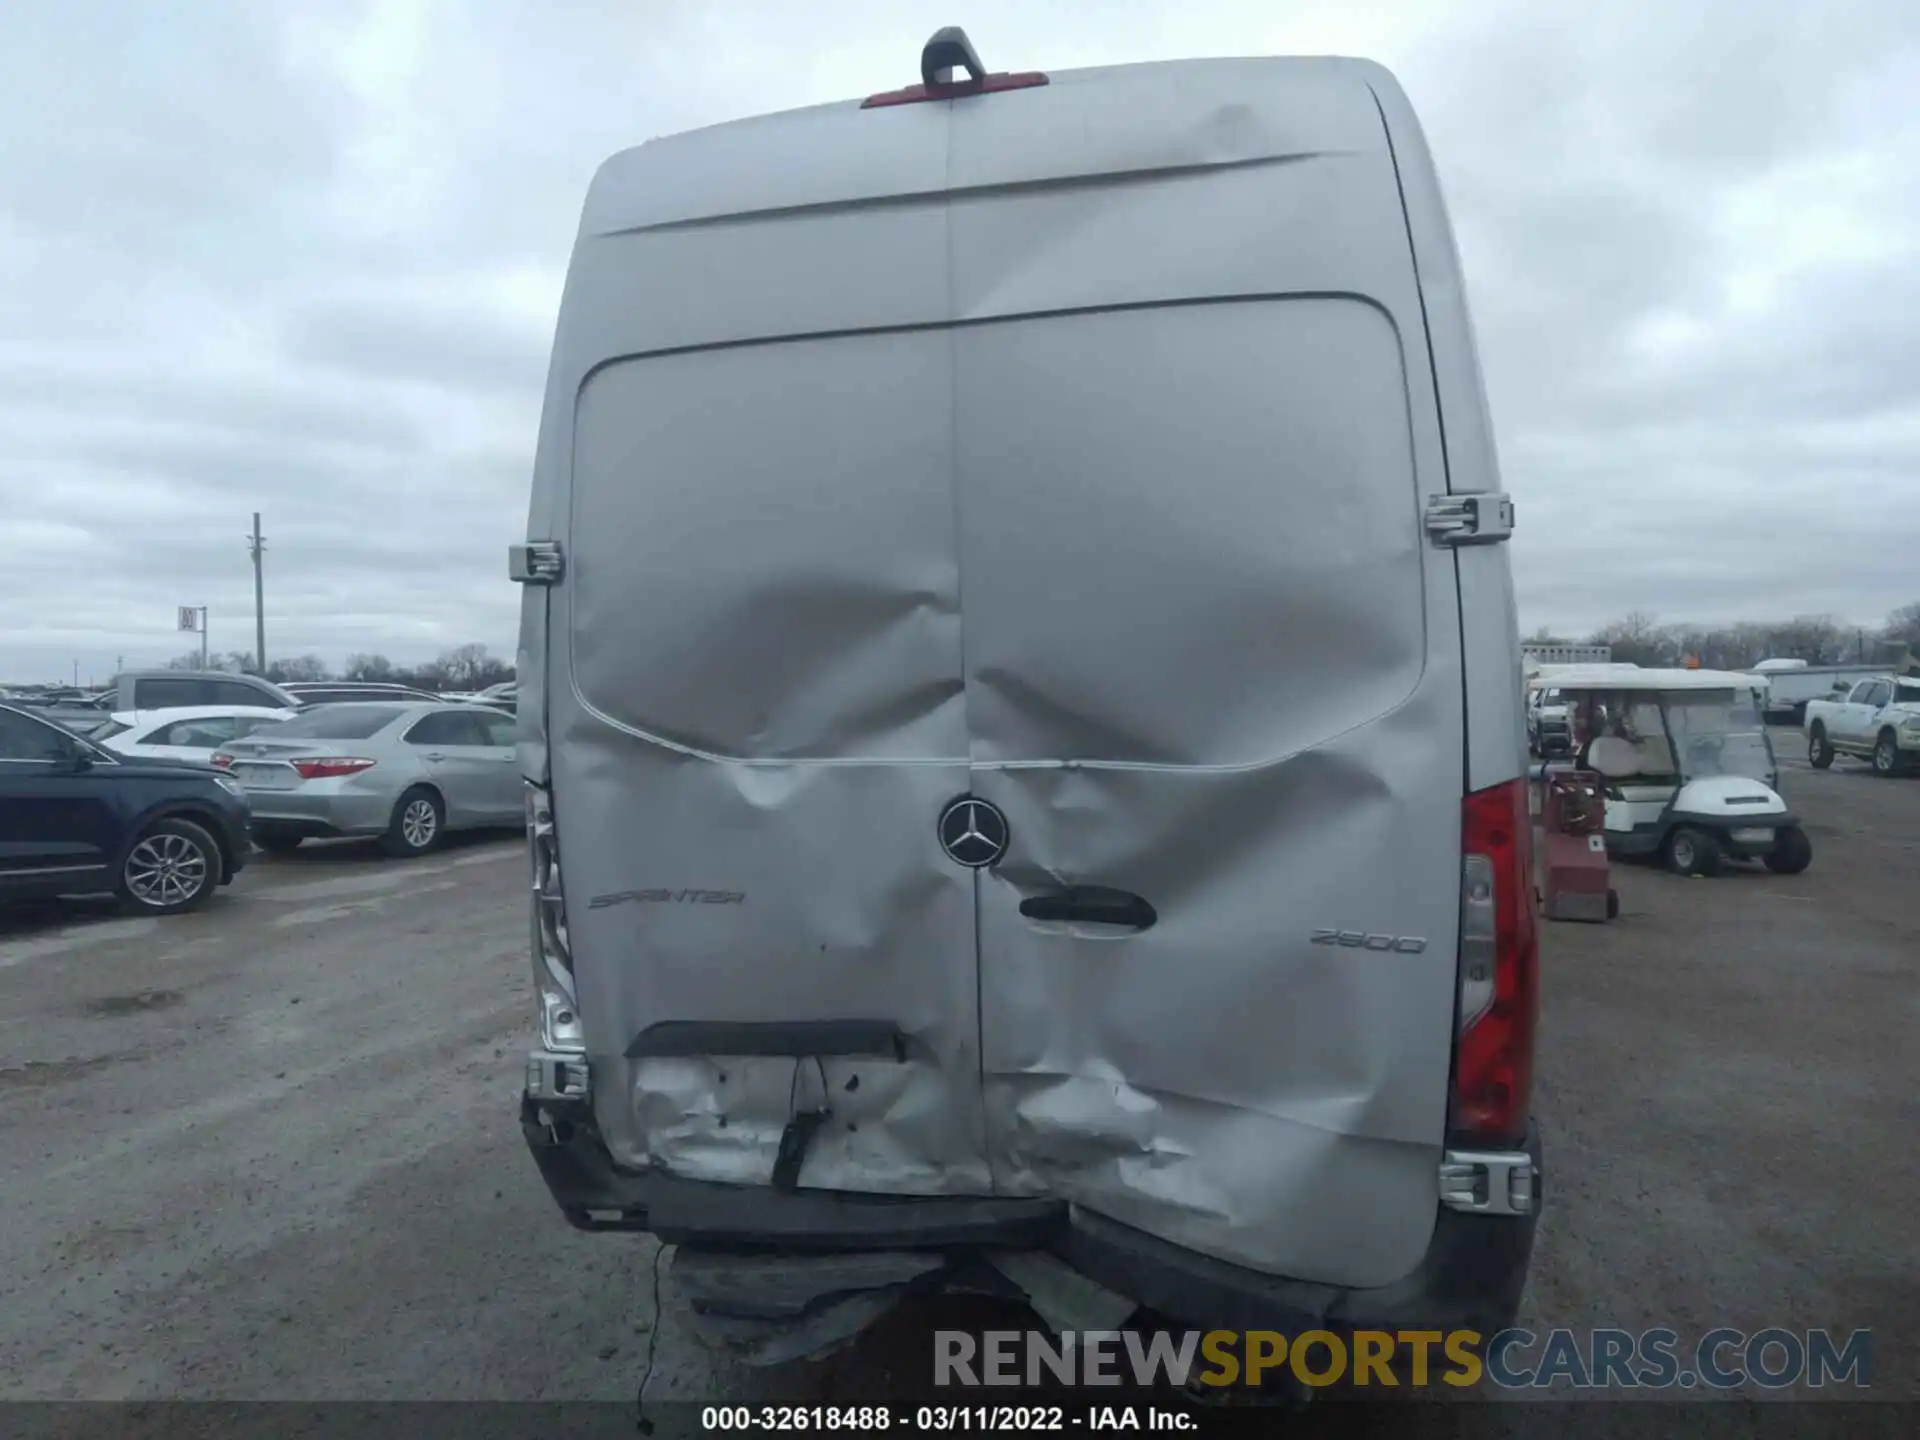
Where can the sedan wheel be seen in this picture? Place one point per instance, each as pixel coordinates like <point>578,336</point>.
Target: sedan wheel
<point>418,824</point>
<point>173,867</point>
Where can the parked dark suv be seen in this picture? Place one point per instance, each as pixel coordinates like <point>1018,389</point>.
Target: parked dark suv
<point>79,820</point>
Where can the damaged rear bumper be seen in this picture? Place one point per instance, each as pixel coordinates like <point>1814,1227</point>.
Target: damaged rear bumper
<point>1470,1278</point>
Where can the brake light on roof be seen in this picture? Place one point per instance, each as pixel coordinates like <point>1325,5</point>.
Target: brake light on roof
<point>1499,987</point>
<point>327,767</point>
<point>948,52</point>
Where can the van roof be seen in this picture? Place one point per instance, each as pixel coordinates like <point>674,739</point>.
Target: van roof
<point>1129,121</point>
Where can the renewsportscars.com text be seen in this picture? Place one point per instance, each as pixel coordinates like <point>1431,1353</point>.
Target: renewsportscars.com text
<point>1608,1359</point>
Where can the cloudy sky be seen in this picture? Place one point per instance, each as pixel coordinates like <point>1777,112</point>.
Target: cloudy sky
<point>304,258</point>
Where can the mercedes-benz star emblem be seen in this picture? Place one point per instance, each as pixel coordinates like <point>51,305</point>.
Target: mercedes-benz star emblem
<point>973,832</point>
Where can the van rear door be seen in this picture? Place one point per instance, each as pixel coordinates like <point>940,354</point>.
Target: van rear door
<point>1067,448</point>
<point>766,661</point>
<point>1213,665</point>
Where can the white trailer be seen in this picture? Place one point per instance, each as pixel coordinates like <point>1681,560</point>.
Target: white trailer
<point>1789,690</point>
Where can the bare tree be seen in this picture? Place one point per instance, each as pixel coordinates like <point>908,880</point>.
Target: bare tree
<point>462,664</point>
<point>471,667</point>
<point>300,667</point>
<point>1637,639</point>
<point>1903,627</point>
<point>1816,639</point>
<point>369,667</point>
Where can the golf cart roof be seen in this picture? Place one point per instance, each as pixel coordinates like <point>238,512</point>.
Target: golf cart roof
<point>1594,677</point>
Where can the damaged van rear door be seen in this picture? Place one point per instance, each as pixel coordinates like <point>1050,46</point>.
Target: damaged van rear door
<point>997,573</point>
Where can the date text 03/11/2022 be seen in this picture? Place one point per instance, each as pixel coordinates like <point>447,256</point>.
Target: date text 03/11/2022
<point>988,1419</point>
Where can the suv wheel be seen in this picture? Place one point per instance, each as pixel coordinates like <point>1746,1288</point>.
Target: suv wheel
<point>1819,749</point>
<point>1886,754</point>
<point>174,866</point>
<point>1693,852</point>
<point>419,822</point>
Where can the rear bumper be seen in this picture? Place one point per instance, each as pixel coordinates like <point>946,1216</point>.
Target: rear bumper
<point>295,813</point>
<point>1470,1278</point>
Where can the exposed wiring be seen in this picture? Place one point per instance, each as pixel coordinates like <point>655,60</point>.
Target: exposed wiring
<point>653,1345</point>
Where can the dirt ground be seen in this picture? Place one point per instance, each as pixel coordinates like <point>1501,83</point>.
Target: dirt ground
<point>1730,1084</point>
<point>269,1151</point>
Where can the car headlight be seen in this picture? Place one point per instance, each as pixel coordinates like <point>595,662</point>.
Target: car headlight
<point>232,786</point>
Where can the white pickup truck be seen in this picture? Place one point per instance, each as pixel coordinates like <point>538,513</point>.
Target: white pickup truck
<point>1877,720</point>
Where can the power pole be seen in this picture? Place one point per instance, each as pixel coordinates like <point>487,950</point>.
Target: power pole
<point>256,546</point>
<point>203,637</point>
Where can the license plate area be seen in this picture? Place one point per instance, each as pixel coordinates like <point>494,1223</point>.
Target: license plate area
<point>266,777</point>
<point>1753,836</point>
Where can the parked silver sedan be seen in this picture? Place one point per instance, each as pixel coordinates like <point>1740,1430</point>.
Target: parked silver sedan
<point>407,773</point>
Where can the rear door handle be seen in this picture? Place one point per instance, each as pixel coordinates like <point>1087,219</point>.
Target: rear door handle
<point>436,757</point>
<point>1093,904</point>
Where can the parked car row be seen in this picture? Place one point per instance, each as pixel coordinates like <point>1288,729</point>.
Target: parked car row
<point>145,690</point>
<point>162,807</point>
<point>405,771</point>
<point>78,819</point>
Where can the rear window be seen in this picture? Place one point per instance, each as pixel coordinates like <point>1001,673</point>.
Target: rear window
<point>337,722</point>
<point>166,693</point>
<point>172,694</point>
<point>203,734</point>
<point>1907,694</point>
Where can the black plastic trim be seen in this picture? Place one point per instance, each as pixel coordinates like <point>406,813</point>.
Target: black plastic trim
<point>1729,822</point>
<point>1092,904</point>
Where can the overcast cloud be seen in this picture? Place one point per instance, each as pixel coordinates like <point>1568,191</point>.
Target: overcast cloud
<point>304,258</point>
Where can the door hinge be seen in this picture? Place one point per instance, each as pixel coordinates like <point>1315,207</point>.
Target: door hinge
<point>538,562</point>
<point>1483,518</point>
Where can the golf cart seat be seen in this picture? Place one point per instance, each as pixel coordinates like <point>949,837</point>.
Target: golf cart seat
<point>1618,758</point>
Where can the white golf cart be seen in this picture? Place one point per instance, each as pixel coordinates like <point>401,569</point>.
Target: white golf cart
<point>1688,769</point>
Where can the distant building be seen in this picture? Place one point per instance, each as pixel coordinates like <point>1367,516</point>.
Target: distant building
<point>1535,653</point>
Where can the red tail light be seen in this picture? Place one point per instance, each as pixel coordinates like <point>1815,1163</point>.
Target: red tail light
<point>326,767</point>
<point>985,85</point>
<point>1499,996</point>
<point>219,761</point>
<point>942,59</point>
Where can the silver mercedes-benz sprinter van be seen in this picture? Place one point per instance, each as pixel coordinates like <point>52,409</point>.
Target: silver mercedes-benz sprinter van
<point>1020,702</point>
